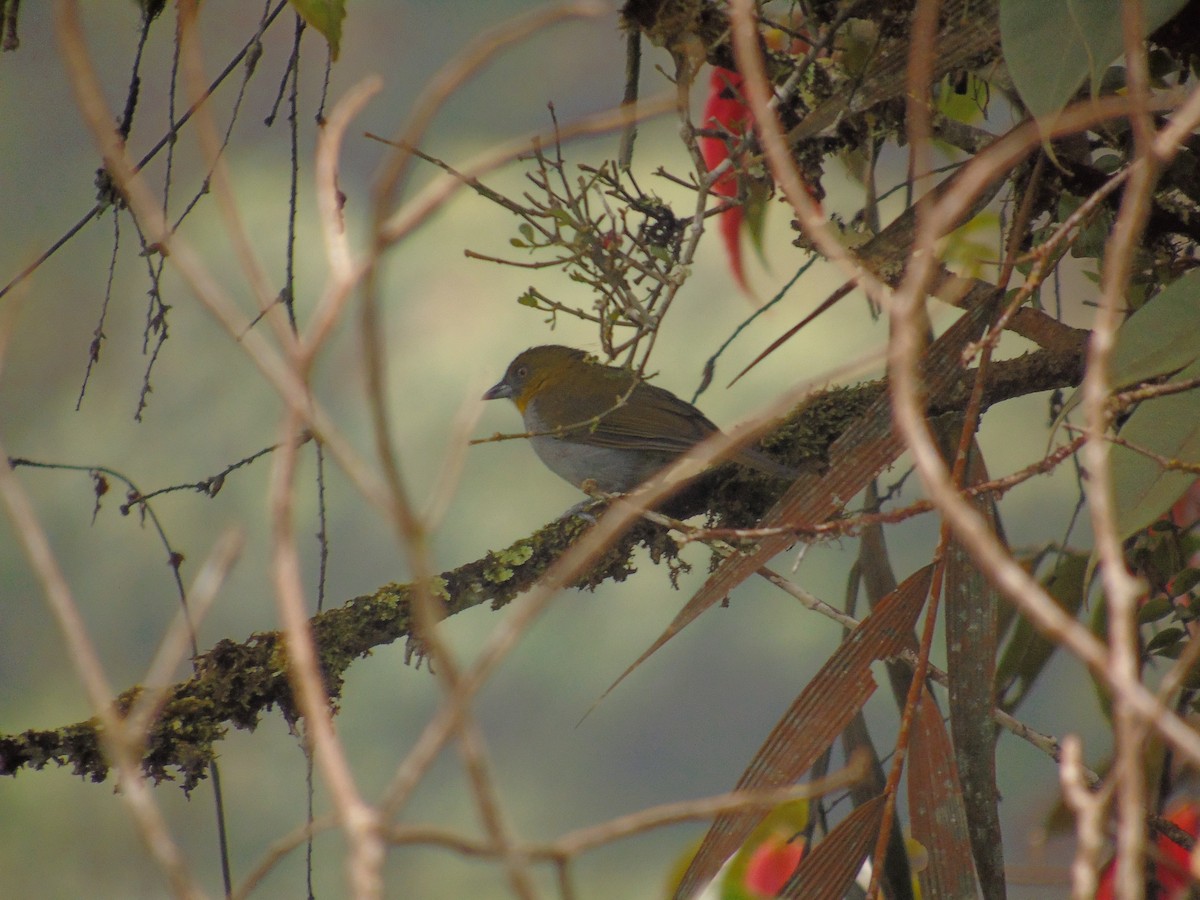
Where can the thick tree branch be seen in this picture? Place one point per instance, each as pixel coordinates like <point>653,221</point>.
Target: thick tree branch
<point>235,683</point>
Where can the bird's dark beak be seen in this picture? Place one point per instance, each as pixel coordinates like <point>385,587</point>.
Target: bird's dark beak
<point>501,390</point>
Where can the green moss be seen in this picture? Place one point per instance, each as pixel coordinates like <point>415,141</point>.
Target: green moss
<point>806,434</point>
<point>439,588</point>
<point>500,564</point>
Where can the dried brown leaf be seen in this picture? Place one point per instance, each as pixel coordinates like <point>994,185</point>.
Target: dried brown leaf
<point>828,871</point>
<point>939,818</point>
<point>814,720</point>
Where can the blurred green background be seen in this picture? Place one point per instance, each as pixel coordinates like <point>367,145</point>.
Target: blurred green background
<point>683,726</point>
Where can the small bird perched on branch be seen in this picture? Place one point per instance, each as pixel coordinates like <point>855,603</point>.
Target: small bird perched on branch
<point>592,422</point>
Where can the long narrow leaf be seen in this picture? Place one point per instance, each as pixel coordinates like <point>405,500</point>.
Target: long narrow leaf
<point>897,874</point>
<point>971,641</point>
<point>935,802</point>
<point>829,870</point>
<point>813,721</point>
<point>1028,651</point>
<point>878,580</point>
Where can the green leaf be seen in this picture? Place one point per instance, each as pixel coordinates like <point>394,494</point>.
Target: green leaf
<point>1158,339</point>
<point>325,16</point>
<point>1185,581</point>
<point>1099,628</point>
<point>1028,651</point>
<point>1170,427</point>
<point>1166,642</point>
<point>1154,609</point>
<point>1052,47</point>
<point>782,824</point>
<point>1161,336</point>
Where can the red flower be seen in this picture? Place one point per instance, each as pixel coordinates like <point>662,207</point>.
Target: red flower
<point>772,864</point>
<point>1170,860</point>
<point>726,112</point>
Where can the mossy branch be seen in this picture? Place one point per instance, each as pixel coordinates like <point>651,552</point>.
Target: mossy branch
<point>236,683</point>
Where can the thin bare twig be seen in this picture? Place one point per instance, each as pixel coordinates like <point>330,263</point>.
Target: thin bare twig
<point>179,640</point>
<point>1122,589</point>
<point>119,743</point>
<point>283,378</point>
<point>1089,809</point>
<point>747,52</point>
<point>360,821</point>
<point>191,58</point>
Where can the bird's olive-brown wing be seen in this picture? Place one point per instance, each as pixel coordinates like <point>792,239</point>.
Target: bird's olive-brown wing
<point>651,419</point>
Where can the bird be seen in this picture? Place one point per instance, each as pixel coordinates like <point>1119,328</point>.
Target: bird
<point>589,422</point>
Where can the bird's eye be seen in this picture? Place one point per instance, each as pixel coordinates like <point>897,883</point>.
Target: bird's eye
<point>522,371</point>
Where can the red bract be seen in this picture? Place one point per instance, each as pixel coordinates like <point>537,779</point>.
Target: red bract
<point>726,112</point>
<point>772,864</point>
<point>1170,860</point>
